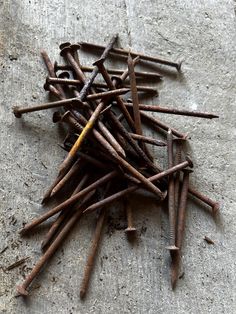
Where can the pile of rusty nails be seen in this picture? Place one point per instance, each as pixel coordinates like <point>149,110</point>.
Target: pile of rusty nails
<point>106,145</point>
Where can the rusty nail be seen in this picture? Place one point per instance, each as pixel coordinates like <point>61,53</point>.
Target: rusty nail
<point>73,170</point>
<point>147,139</point>
<point>135,54</point>
<point>156,177</point>
<point>155,108</point>
<point>156,122</point>
<point>171,194</point>
<point>56,224</point>
<point>205,199</point>
<point>93,249</point>
<point>177,159</point>
<point>140,74</point>
<point>55,104</point>
<point>51,71</point>
<point>134,92</point>
<point>22,289</point>
<point>70,201</point>
<point>180,226</point>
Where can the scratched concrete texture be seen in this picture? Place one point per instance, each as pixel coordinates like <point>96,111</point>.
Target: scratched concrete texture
<point>128,278</point>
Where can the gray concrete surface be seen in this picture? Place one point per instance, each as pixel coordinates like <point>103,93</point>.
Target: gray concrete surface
<point>127,279</point>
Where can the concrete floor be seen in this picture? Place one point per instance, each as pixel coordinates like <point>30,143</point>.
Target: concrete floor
<point>127,279</point>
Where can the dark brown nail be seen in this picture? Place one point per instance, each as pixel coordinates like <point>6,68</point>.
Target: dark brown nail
<point>134,93</point>
<point>155,108</point>
<point>120,91</point>
<point>135,54</point>
<point>93,249</point>
<point>205,199</point>
<point>48,193</point>
<point>180,226</point>
<point>60,103</point>
<point>92,254</point>
<point>159,124</point>
<point>146,139</point>
<point>171,194</point>
<point>147,75</point>
<point>182,207</point>
<point>51,71</point>
<point>73,170</point>
<point>177,160</point>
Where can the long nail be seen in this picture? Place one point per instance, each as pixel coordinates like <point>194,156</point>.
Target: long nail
<point>73,170</point>
<point>109,83</point>
<point>67,102</point>
<point>147,139</point>
<point>180,227</point>
<point>70,201</point>
<point>93,96</point>
<point>60,103</point>
<point>136,112</point>
<point>22,289</point>
<point>182,112</point>
<point>51,71</point>
<point>73,82</point>
<point>49,191</point>
<point>156,122</point>
<point>118,195</point>
<point>134,93</point>
<point>93,249</point>
<point>171,195</point>
<point>57,223</point>
<point>135,54</point>
<point>141,74</point>
<point>177,159</point>
<point>205,199</point>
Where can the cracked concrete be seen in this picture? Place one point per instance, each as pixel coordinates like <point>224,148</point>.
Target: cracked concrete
<point>127,279</point>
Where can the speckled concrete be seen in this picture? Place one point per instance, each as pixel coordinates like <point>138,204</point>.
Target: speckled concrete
<point>127,279</point>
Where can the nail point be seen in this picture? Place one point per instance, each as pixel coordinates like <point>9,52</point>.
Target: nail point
<point>21,290</point>
<point>129,230</point>
<point>172,248</point>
